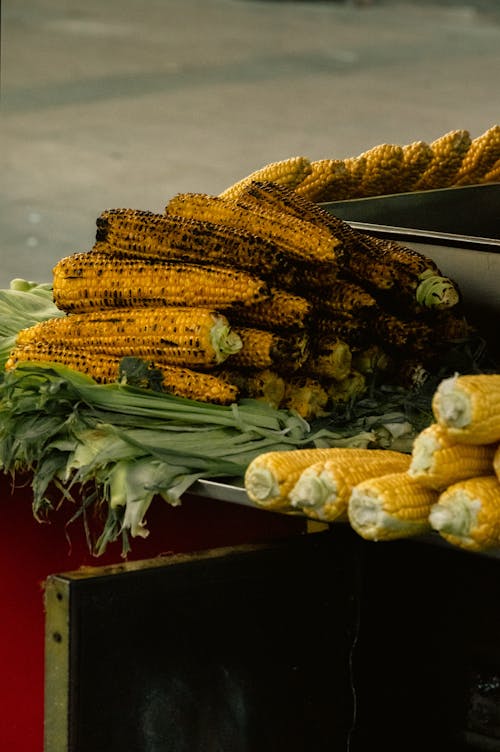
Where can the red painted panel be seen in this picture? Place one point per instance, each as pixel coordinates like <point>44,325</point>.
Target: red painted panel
<point>30,551</point>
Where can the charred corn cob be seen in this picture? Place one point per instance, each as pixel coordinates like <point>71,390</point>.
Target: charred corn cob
<point>91,281</point>
<point>168,335</point>
<point>437,461</point>
<point>306,396</point>
<point>350,329</point>
<point>270,477</point>
<point>416,158</point>
<point>483,152</point>
<point>302,239</point>
<point>289,172</point>
<point>382,170</point>
<point>342,296</point>
<point>263,349</point>
<point>468,407</point>
<point>467,513</point>
<point>330,359</point>
<point>324,488</point>
<point>265,385</point>
<point>282,310</point>
<point>389,507</point>
<point>448,153</point>
<point>104,368</point>
<point>328,180</point>
<point>140,233</point>
<point>371,359</point>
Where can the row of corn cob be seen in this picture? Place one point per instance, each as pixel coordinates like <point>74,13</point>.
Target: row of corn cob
<point>450,483</point>
<point>452,159</point>
<point>267,296</point>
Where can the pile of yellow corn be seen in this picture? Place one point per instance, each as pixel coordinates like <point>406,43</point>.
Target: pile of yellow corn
<point>265,295</point>
<point>450,483</point>
<point>453,159</point>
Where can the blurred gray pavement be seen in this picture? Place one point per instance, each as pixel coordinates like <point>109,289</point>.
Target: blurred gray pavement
<point>109,104</point>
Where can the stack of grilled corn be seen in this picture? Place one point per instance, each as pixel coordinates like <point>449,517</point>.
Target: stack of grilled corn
<point>264,295</point>
<point>450,483</point>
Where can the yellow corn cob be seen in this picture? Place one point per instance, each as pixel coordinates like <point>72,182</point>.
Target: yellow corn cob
<point>496,462</point>
<point>263,349</point>
<point>91,281</point>
<point>483,152</point>
<point>448,153</point>
<point>168,335</point>
<point>416,158</point>
<point>355,168</point>
<point>303,240</point>
<point>282,310</point>
<point>284,199</point>
<point>389,507</point>
<point>468,406</point>
<point>382,169</point>
<point>104,368</point>
<point>270,477</point>
<point>437,461</point>
<point>139,233</point>
<point>324,488</point>
<point>289,172</point>
<point>493,175</point>
<point>328,180</point>
<point>306,396</point>
<point>265,385</point>
<point>331,359</point>
<point>467,513</point>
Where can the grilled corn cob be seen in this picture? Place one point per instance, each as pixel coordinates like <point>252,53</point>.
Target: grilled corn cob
<point>168,335</point>
<point>263,349</point>
<point>88,281</point>
<point>483,152</point>
<point>448,153</point>
<point>306,396</point>
<point>468,406</point>
<point>104,368</point>
<point>496,462</point>
<point>324,488</point>
<point>344,297</point>
<point>265,385</point>
<point>354,331</point>
<point>282,310</point>
<point>331,359</point>
<point>303,240</point>
<point>140,233</point>
<point>289,172</point>
<point>344,390</point>
<point>389,507</point>
<point>467,513</point>
<point>328,180</point>
<point>270,477</point>
<point>437,461</point>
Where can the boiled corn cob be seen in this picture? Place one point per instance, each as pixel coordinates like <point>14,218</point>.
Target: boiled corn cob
<point>270,477</point>
<point>264,349</point>
<point>483,152</point>
<point>328,180</point>
<point>437,461</point>
<point>302,238</point>
<point>105,368</point>
<point>389,507</point>
<point>289,172</point>
<point>168,335</point>
<point>467,513</point>
<point>448,153</point>
<point>468,406</point>
<point>324,488</point>
<point>88,281</point>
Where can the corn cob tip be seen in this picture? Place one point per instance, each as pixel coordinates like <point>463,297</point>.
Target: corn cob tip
<point>313,491</point>
<point>455,518</point>
<point>261,485</point>
<point>436,292</point>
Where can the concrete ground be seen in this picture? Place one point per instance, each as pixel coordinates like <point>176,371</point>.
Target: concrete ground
<point>108,104</point>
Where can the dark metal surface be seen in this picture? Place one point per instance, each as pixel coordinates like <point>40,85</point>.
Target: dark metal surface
<point>471,210</point>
